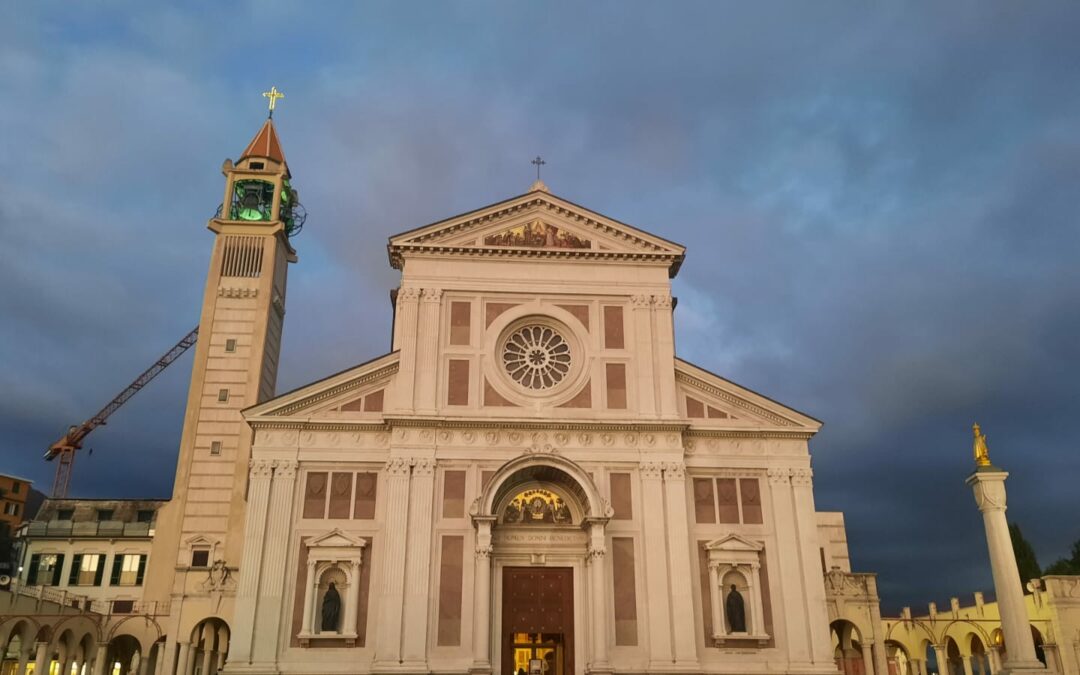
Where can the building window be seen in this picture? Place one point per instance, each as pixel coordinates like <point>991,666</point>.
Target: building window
<point>200,557</point>
<point>145,516</point>
<point>128,569</point>
<point>86,569</point>
<point>728,501</point>
<point>230,345</point>
<point>65,514</point>
<point>215,448</point>
<point>104,514</point>
<point>11,509</point>
<point>15,487</point>
<point>45,569</point>
<point>223,395</point>
<point>536,357</point>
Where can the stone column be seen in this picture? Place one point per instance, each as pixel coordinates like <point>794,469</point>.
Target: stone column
<point>995,659</point>
<point>352,598</point>
<point>41,658</point>
<point>271,593</point>
<point>247,594</point>
<point>757,623</point>
<point>646,382</point>
<point>391,595</point>
<point>597,548</point>
<point>481,632</point>
<point>988,484</point>
<point>788,608</point>
<point>917,667</point>
<point>656,572</point>
<point>427,351</point>
<point>418,565</point>
<point>24,659</point>
<point>942,660</point>
<point>405,322</point>
<point>184,651</point>
<point>715,600</point>
<point>208,647</point>
<point>868,658</point>
<point>101,659</point>
<point>144,666</point>
<point>309,597</point>
<point>680,571</point>
<point>223,646</point>
<point>664,340</point>
<point>817,613</point>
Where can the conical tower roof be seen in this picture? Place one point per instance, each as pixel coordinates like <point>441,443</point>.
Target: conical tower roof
<point>265,144</point>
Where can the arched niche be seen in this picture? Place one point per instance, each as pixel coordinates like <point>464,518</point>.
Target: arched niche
<point>548,469</point>
<point>735,561</point>
<point>333,557</point>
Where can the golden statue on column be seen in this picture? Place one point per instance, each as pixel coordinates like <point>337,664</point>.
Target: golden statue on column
<point>982,453</point>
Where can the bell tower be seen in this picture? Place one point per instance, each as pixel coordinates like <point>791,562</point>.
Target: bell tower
<point>236,360</point>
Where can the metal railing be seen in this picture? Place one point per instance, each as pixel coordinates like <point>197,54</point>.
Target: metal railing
<point>105,607</point>
<point>93,528</point>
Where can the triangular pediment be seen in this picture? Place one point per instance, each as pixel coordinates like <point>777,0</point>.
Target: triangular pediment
<point>733,542</point>
<point>536,224</point>
<point>710,401</point>
<point>350,393</point>
<point>335,539</point>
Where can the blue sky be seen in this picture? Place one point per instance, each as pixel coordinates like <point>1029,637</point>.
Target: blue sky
<point>878,201</point>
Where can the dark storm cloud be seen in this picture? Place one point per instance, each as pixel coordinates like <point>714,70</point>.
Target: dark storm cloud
<point>878,204</point>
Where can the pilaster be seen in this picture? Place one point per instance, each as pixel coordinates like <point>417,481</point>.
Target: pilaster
<point>664,342</point>
<point>279,517</point>
<point>680,553</point>
<point>427,351</point>
<point>482,597</point>
<point>391,594</point>
<point>656,567</point>
<point>255,525</point>
<point>597,549</point>
<point>405,322</point>
<point>790,608</point>
<point>643,331</point>
<point>817,614</point>
<point>418,569</point>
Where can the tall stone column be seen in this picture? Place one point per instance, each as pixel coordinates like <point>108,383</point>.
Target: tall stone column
<point>418,565</point>
<point>41,658</point>
<point>664,339</point>
<point>599,626</point>
<point>643,329</point>
<point>817,613</point>
<point>788,608</point>
<point>247,594</point>
<point>405,322</point>
<point>656,568</point>
<point>391,595</point>
<point>279,522</point>
<point>427,351</point>
<point>208,648</point>
<point>966,662</point>
<point>101,659</point>
<point>868,658</point>
<point>482,597</point>
<point>988,484</point>
<point>680,572</point>
<point>942,660</point>
<point>24,659</point>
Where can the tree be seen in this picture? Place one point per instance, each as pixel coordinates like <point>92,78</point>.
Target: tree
<point>1069,565</point>
<point>1025,555</point>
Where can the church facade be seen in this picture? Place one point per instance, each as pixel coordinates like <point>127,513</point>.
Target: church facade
<point>529,480</point>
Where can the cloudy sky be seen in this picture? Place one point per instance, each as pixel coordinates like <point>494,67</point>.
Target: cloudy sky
<point>879,204</point>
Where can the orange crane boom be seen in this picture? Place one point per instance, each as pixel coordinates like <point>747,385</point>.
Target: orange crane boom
<point>65,448</point>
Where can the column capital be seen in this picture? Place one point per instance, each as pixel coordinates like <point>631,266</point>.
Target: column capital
<point>484,552</point>
<point>398,466</point>
<point>285,468</point>
<point>261,468</point>
<point>424,466</point>
<point>640,301</point>
<point>674,471</point>
<point>661,301</point>
<point>779,475</point>
<point>802,477</point>
<point>408,293</point>
<point>433,294</point>
<point>651,470</point>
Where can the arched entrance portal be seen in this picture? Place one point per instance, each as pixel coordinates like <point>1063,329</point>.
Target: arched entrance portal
<point>540,525</point>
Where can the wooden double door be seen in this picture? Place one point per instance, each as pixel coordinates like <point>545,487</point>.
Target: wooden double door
<point>538,620</point>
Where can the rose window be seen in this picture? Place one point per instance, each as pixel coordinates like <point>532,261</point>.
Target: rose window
<point>536,357</point>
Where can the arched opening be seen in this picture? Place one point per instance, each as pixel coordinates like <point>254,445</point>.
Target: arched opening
<point>209,647</point>
<point>847,648</point>
<point>955,665</point>
<point>898,660</point>
<point>997,643</point>
<point>16,647</point>
<point>122,655</point>
<point>980,660</point>
<point>1037,638</point>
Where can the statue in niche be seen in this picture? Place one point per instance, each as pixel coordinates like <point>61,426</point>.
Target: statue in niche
<point>512,513</point>
<point>735,610</point>
<point>331,609</point>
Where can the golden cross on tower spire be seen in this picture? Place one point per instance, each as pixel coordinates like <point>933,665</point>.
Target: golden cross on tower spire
<point>273,95</point>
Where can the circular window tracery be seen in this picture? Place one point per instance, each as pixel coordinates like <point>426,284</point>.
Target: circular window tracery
<point>536,357</point>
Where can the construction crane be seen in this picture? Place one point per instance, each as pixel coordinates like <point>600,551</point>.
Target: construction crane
<point>64,449</point>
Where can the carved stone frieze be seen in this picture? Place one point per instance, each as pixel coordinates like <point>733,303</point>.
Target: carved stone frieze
<point>261,469</point>
<point>433,294</point>
<point>779,476</point>
<point>491,437</point>
<point>423,466</point>
<point>408,294</point>
<point>285,468</point>
<point>237,292</point>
